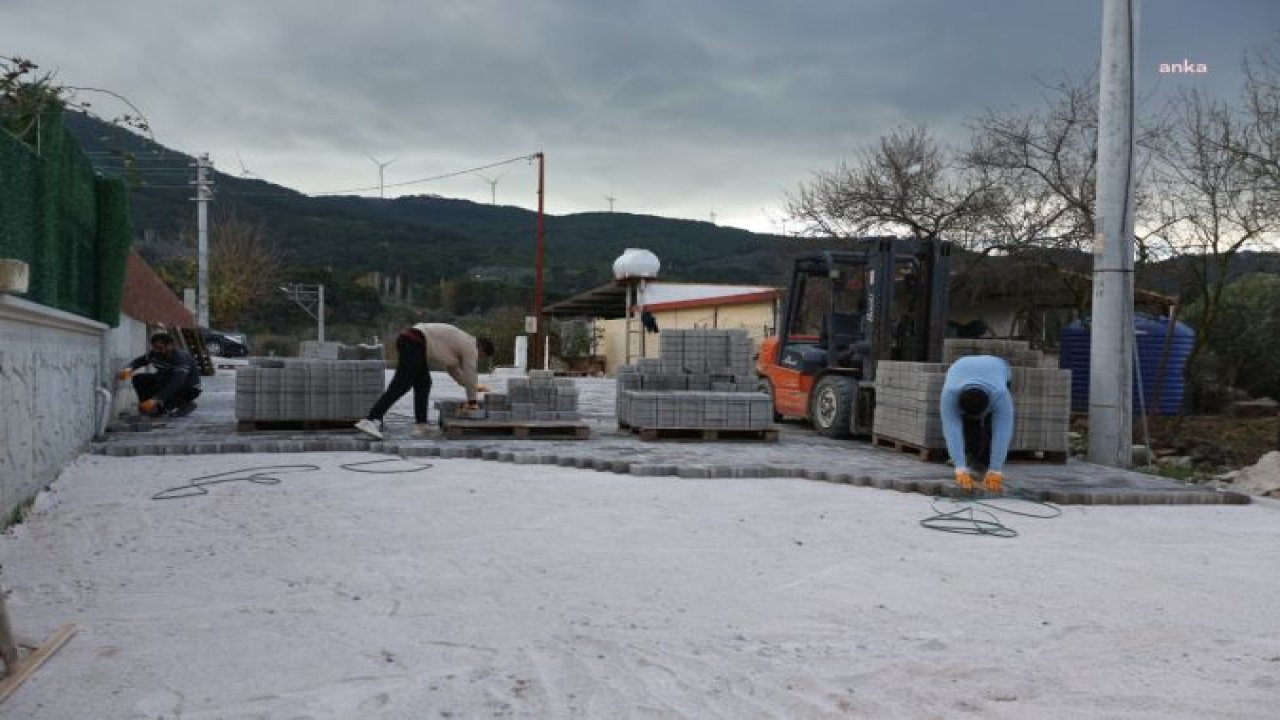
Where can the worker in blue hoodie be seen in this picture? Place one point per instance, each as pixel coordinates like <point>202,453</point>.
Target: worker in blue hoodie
<point>977,419</point>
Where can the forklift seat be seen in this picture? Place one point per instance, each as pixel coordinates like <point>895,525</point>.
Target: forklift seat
<point>844,328</point>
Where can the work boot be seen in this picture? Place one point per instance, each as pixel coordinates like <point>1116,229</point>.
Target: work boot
<point>182,410</point>
<point>420,430</point>
<point>372,428</point>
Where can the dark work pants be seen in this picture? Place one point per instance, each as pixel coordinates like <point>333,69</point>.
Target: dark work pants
<point>411,372</point>
<point>148,384</point>
<point>977,442</point>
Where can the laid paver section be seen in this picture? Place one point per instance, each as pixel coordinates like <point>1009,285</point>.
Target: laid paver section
<point>799,453</point>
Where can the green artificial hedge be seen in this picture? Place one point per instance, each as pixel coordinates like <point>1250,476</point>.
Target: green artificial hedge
<point>71,226</point>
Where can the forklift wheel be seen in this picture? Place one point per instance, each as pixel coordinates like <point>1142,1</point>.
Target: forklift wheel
<point>831,405</point>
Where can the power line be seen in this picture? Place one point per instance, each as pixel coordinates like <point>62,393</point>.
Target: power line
<point>429,179</point>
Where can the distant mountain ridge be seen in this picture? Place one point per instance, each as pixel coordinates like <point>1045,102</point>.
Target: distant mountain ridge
<point>423,238</point>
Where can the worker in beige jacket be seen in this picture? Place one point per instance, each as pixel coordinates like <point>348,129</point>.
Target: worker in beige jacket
<point>417,346</point>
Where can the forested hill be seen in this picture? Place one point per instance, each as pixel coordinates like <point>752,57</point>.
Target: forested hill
<point>425,238</point>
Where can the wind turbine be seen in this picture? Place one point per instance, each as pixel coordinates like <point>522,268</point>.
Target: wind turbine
<point>611,200</point>
<point>493,188</point>
<point>382,166</point>
<point>244,171</point>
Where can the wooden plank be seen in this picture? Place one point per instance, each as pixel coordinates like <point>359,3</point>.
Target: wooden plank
<point>940,454</point>
<point>524,430</point>
<point>925,454</point>
<point>28,664</point>
<point>707,434</point>
<point>249,425</point>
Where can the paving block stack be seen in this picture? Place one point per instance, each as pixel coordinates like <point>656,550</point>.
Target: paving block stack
<point>702,379</point>
<point>908,396</point>
<point>1017,353</point>
<point>303,389</point>
<point>540,397</point>
<point>314,350</point>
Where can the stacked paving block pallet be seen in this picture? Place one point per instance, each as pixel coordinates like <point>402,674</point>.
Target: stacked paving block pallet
<point>702,384</point>
<point>540,405</point>
<point>306,391</point>
<point>907,414</point>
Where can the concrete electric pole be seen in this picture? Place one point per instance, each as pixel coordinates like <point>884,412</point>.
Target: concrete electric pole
<point>204,193</point>
<point>1111,347</point>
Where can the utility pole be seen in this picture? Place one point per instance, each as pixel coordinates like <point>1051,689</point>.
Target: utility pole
<point>1111,347</point>
<point>311,299</point>
<point>204,193</point>
<point>535,351</point>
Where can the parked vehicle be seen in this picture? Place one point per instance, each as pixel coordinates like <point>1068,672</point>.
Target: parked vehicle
<point>226,344</point>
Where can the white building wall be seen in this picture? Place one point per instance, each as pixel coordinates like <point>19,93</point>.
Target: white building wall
<point>51,364</point>
<point>119,346</point>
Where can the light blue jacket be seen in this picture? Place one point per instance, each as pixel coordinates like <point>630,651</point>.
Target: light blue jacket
<point>992,375</point>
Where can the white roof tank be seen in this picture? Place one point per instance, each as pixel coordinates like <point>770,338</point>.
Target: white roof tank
<point>636,263</point>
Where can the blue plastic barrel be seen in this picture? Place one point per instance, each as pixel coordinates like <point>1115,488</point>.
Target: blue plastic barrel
<point>1151,334</point>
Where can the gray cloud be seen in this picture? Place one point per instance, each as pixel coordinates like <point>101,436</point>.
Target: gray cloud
<point>673,107</point>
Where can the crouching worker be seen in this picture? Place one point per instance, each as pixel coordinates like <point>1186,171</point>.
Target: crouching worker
<point>977,419</point>
<point>173,385</point>
<point>449,347</point>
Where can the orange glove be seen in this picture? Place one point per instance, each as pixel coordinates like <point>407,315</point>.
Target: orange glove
<point>148,407</point>
<point>994,481</point>
<point>964,480</point>
<point>482,388</point>
<point>125,373</point>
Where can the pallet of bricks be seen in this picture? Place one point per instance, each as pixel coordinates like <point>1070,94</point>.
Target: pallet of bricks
<point>701,386</point>
<point>908,416</point>
<point>305,392</point>
<point>538,406</point>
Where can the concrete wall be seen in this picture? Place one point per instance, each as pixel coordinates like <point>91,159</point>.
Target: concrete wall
<point>119,346</point>
<point>51,364</point>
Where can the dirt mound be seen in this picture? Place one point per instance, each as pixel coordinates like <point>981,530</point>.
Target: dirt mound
<point>1262,478</point>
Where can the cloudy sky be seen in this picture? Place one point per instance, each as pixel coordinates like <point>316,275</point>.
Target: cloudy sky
<point>684,108</point>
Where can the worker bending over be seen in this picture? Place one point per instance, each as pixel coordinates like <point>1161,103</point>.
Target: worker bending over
<point>977,418</point>
<point>173,385</point>
<point>449,347</point>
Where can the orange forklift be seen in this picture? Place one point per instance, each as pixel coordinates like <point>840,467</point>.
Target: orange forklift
<point>880,299</point>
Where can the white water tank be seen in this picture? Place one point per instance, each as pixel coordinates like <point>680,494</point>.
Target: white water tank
<point>636,263</point>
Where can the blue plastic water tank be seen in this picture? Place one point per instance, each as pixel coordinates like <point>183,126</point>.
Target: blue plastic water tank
<point>1151,333</point>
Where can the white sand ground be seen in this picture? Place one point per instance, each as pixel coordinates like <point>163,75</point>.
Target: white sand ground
<point>476,590</point>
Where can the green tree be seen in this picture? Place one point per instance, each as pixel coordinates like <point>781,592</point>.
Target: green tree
<point>1240,345</point>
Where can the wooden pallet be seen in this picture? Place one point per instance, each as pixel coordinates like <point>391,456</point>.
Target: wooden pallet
<point>924,453</point>
<point>706,434</point>
<point>195,345</point>
<point>248,425</point>
<point>524,430</point>
<point>940,454</point>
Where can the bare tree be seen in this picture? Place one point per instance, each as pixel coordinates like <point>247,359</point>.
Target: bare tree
<point>905,184</point>
<point>1044,162</point>
<point>1211,199</point>
<point>1259,144</point>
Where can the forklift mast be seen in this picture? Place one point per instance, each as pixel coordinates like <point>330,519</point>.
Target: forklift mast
<point>903,312</point>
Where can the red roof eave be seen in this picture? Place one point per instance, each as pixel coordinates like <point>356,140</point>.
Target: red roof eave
<point>743,299</point>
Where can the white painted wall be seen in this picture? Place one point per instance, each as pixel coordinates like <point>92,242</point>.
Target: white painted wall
<point>51,364</point>
<point>119,346</point>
